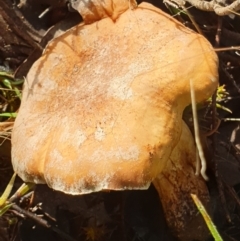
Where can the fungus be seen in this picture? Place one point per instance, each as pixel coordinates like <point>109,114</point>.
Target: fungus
<point>102,108</point>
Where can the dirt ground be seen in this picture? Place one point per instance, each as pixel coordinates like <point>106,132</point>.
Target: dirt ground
<point>128,215</point>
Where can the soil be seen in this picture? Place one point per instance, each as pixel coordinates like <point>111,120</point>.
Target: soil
<point>128,215</point>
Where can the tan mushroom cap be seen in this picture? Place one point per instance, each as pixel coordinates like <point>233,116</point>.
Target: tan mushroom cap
<point>102,108</point>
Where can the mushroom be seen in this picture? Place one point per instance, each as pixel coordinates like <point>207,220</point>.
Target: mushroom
<point>102,108</point>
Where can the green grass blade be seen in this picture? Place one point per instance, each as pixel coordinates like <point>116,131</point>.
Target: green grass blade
<point>7,83</point>
<point>5,208</point>
<point>207,218</point>
<point>18,93</point>
<point>7,114</point>
<point>22,190</point>
<point>7,191</point>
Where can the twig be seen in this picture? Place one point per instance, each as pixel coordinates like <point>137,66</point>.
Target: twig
<point>212,6</point>
<point>196,132</point>
<point>29,35</point>
<point>40,221</point>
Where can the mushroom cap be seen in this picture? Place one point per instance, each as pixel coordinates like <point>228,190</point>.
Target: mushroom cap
<point>102,108</point>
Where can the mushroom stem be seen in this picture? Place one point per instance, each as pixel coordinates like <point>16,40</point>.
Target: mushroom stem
<point>176,183</point>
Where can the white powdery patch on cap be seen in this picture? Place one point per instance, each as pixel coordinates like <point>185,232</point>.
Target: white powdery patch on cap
<point>75,138</point>
<point>128,154</point>
<point>120,87</point>
<point>56,155</point>
<point>213,79</point>
<point>99,134</point>
<point>79,186</point>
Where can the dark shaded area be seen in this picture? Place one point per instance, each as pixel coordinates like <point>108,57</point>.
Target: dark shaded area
<point>129,215</point>
<point>144,216</point>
